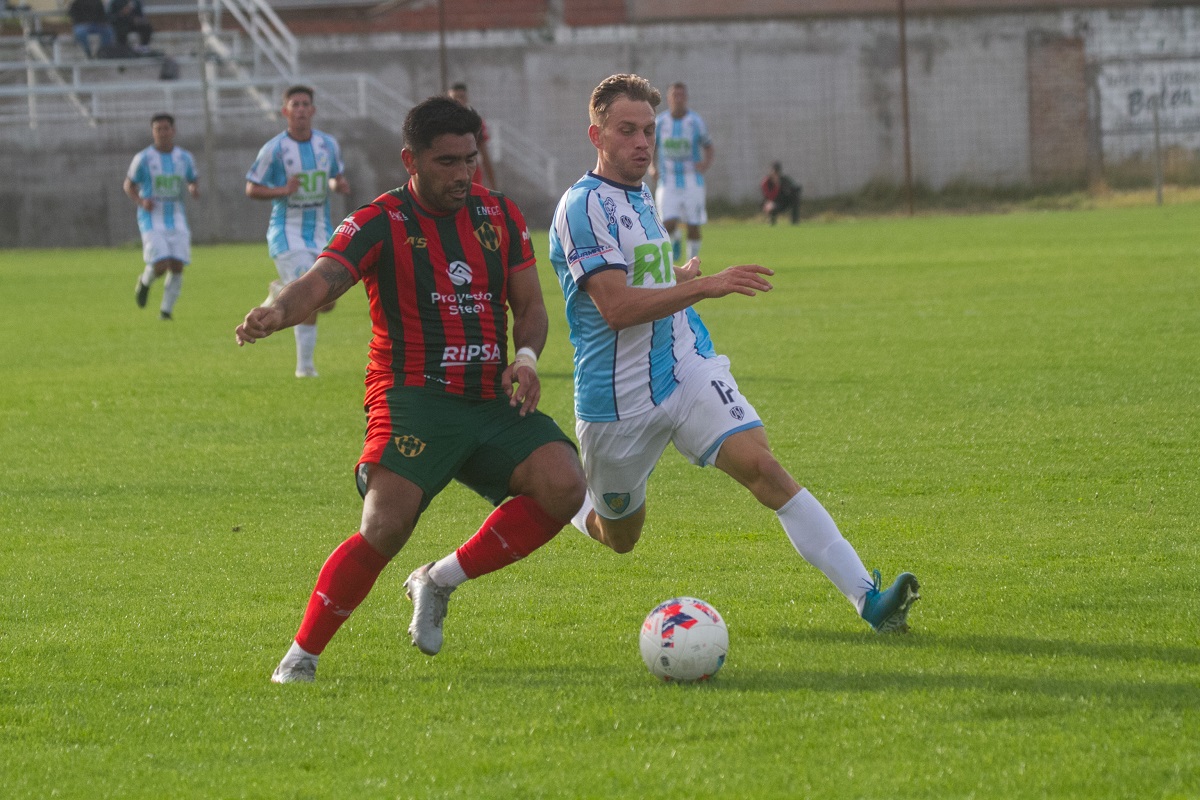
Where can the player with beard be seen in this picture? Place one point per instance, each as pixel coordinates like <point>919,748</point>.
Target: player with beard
<point>443,261</point>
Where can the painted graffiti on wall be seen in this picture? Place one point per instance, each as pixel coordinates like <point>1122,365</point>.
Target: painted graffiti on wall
<point>1131,92</point>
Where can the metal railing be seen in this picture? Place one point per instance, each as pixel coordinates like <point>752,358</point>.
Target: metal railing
<point>267,32</point>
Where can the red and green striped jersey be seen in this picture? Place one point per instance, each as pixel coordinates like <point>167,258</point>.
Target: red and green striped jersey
<point>438,287</point>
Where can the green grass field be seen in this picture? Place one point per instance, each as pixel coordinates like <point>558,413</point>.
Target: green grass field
<point>1004,405</point>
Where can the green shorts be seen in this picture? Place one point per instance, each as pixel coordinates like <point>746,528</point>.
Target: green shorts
<point>431,438</point>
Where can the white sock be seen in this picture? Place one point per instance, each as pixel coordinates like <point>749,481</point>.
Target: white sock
<point>816,537</point>
<point>148,275</point>
<point>306,343</point>
<point>580,518</point>
<point>171,289</point>
<point>448,572</point>
<point>296,653</point>
<point>693,248</point>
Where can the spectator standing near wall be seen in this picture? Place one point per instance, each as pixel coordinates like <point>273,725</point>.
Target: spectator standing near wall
<point>780,193</point>
<point>483,170</point>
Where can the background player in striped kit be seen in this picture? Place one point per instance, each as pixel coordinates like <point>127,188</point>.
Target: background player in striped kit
<point>443,262</point>
<point>156,182</point>
<point>296,170</point>
<point>684,153</point>
<point>646,372</point>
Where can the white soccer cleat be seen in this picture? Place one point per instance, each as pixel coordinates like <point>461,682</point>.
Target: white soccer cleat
<point>430,603</point>
<point>295,670</point>
<point>306,372</point>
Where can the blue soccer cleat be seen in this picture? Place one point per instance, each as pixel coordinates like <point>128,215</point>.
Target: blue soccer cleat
<point>887,611</point>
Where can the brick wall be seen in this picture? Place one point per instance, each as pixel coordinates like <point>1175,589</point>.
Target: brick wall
<point>1058,117</point>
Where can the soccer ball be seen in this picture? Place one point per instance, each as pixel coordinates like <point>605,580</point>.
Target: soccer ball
<point>684,639</point>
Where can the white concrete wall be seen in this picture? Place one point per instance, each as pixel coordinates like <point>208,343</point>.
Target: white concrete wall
<point>822,96</point>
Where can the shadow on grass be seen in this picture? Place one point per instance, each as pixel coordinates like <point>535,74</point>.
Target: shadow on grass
<point>1005,645</point>
<point>1043,678</point>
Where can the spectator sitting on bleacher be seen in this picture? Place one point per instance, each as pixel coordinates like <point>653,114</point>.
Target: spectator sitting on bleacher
<point>87,18</point>
<point>128,17</point>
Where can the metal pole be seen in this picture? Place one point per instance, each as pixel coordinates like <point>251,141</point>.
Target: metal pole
<point>442,44</point>
<point>212,204</point>
<point>1158,167</point>
<point>908,187</point>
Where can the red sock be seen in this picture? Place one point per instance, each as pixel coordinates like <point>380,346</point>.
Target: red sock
<point>347,577</point>
<point>511,532</point>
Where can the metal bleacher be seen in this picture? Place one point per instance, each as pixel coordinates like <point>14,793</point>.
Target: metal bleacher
<point>45,78</point>
<point>231,63</point>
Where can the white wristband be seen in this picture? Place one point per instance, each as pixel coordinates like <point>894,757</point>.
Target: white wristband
<point>527,357</point>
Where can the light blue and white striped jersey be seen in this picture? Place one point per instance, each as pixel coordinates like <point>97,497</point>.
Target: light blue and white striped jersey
<point>601,225</point>
<point>679,144</point>
<point>300,221</point>
<point>164,178</point>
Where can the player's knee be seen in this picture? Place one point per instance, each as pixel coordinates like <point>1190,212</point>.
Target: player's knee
<point>562,494</point>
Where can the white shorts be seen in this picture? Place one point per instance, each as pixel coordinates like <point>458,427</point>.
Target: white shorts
<point>160,245</point>
<point>618,457</point>
<point>687,203</point>
<point>294,263</point>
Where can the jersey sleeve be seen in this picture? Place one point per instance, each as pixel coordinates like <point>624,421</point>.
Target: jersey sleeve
<point>137,169</point>
<point>190,172</point>
<point>520,243</point>
<point>266,169</point>
<point>358,241</point>
<point>588,241</point>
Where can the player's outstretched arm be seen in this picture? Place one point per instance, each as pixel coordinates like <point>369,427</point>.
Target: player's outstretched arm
<point>624,306</point>
<point>323,284</point>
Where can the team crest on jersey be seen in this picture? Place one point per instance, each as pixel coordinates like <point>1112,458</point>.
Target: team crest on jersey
<point>409,446</point>
<point>488,236</point>
<point>627,222</point>
<point>460,273</point>
<point>617,501</point>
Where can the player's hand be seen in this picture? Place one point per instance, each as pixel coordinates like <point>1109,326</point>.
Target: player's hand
<point>744,279</point>
<point>260,323</point>
<point>194,189</point>
<point>292,186</point>
<point>146,203</point>
<point>339,185</point>
<point>523,387</point>
<point>688,271</point>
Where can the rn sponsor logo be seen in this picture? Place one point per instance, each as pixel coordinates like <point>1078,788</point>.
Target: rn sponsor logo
<point>461,356</point>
